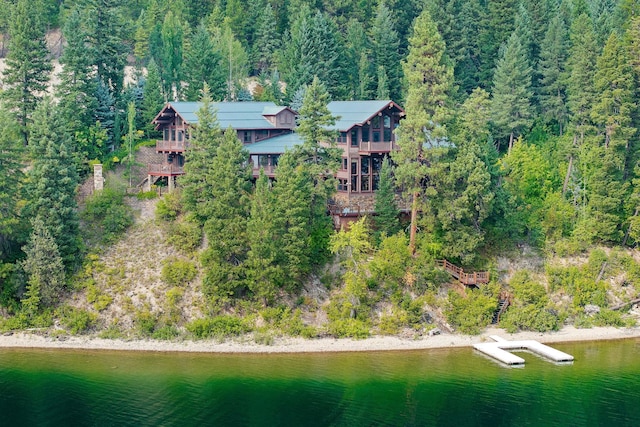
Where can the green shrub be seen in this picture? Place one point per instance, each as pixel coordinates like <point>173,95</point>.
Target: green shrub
<point>145,322</point>
<point>169,206</point>
<point>471,314</point>
<point>167,332</point>
<point>76,320</point>
<point>146,195</point>
<point>185,235</point>
<point>218,327</point>
<point>178,272</point>
<point>99,300</point>
<point>107,214</point>
<point>349,328</point>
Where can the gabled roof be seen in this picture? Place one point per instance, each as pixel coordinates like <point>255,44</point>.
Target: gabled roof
<point>352,113</point>
<point>238,115</point>
<point>275,145</point>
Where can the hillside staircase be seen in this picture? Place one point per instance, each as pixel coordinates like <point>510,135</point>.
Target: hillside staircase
<point>475,278</point>
<point>504,300</point>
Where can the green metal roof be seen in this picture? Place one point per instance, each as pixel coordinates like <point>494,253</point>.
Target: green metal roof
<point>238,115</point>
<point>275,145</point>
<point>351,113</point>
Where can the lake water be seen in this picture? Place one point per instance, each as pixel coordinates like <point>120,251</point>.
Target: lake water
<point>449,387</point>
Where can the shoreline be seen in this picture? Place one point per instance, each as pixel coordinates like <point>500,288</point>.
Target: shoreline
<point>321,345</point>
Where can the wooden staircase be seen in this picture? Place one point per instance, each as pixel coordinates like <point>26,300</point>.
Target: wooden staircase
<point>476,278</point>
<point>503,302</point>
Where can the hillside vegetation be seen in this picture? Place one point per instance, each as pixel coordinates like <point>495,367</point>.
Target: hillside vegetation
<point>519,144</point>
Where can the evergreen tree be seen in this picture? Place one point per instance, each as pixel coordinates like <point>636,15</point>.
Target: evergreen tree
<point>76,90</point>
<point>467,55</point>
<point>11,180</point>
<point>105,114</point>
<point>28,67</point>
<point>264,272</point>
<point>497,27</point>
<point>202,64</point>
<point>53,181</point>
<point>226,226</point>
<point>511,107</point>
<point>44,269</point>
<point>429,79</point>
<point>553,56</point>
<point>267,40</point>
<point>358,60</point>
<point>610,154</point>
<point>235,60</point>
<point>321,157</point>
<point>581,66</point>
<point>196,183</point>
<point>170,61</point>
<point>293,208</point>
<point>152,98</point>
<point>385,45</point>
<point>387,212</point>
<point>467,194</point>
<point>105,27</point>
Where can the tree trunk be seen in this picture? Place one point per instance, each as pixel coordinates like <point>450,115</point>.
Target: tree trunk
<point>567,176</point>
<point>626,235</point>
<point>510,143</point>
<point>414,223</point>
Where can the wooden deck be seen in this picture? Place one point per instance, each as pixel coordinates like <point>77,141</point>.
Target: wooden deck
<point>475,278</point>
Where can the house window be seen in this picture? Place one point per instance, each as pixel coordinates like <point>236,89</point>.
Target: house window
<point>246,136</point>
<point>387,128</point>
<point>165,134</point>
<point>354,137</point>
<point>365,133</point>
<point>342,138</point>
<point>344,164</point>
<point>180,135</point>
<point>263,160</point>
<point>364,168</point>
<point>173,134</point>
<point>342,185</point>
<point>354,175</point>
<point>274,159</point>
<point>262,134</point>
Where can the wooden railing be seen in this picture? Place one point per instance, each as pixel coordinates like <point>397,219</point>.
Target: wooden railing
<point>469,279</point>
<point>165,169</point>
<point>382,147</point>
<point>173,146</point>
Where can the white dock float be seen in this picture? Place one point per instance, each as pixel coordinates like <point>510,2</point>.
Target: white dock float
<point>500,350</point>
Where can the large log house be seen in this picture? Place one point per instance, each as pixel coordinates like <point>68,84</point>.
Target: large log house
<point>365,130</point>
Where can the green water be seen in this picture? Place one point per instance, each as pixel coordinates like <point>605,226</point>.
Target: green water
<point>456,387</point>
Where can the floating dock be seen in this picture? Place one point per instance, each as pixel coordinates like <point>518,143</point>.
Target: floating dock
<point>500,350</point>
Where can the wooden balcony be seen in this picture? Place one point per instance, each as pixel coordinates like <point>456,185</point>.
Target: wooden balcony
<point>165,169</point>
<point>170,146</point>
<point>376,147</point>
<point>270,171</point>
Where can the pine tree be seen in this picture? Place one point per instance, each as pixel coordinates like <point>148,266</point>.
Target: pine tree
<point>170,61</point>
<point>76,90</point>
<point>105,113</point>
<point>11,182</point>
<point>467,193</point>
<point>553,91</point>
<point>28,67</point>
<point>105,27</point>
<point>581,66</point>
<point>358,60</point>
<point>497,27</point>
<point>235,60</point>
<point>385,45</point>
<point>293,192</point>
<point>53,181</point>
<point>196,182</point>
<point>202,64</point>
<point>226,226</point>
<point>511,107</point>
<point>44,269</point>
<point>321,157</point>
<point>264,272</point>
<point>467,55</point>
<point>387,212</point>
<point>152,98</point>
<point>429,79</point>
<point>267,40</point>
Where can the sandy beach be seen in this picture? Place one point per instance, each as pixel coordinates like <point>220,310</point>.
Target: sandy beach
<point>300,345</point>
